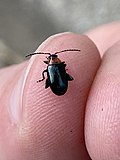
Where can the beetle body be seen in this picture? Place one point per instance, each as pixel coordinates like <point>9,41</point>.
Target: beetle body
<point>57,77</point>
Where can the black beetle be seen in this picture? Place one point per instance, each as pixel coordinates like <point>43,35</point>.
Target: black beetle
<point>57,78</point>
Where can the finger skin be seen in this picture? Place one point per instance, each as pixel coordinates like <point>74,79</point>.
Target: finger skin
<point>102,118</point>
<point>8,130</point>
<point>51,127</point>
<point>105,36</point>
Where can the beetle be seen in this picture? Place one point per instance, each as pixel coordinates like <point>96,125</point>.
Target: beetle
<point>57,77</point>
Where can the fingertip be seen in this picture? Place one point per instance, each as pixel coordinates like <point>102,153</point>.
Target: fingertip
<point>48,119</point>
<point>105,36</point>
<point>50,127</point>
<point>102,125</point>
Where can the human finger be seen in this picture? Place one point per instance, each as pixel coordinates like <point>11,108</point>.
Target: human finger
<point>102,120</point>
<point>41,125</point>
<point>105,36</point>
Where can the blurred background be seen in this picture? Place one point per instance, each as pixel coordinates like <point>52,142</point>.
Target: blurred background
<point>24,24</point>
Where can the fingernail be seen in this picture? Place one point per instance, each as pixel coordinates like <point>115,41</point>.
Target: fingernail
<point>16,99</point>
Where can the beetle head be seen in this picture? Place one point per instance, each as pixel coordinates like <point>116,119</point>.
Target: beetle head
<point>52,59</point>
<point>52,56</point>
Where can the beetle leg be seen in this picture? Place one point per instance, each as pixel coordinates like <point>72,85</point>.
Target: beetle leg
<point>46,62</point>
<point>69,77</point>
<point>47,84</point>
<point>42,76</point>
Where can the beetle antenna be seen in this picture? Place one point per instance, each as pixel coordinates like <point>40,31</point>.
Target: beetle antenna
<point>66,50</point>
<point>37,53</point>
